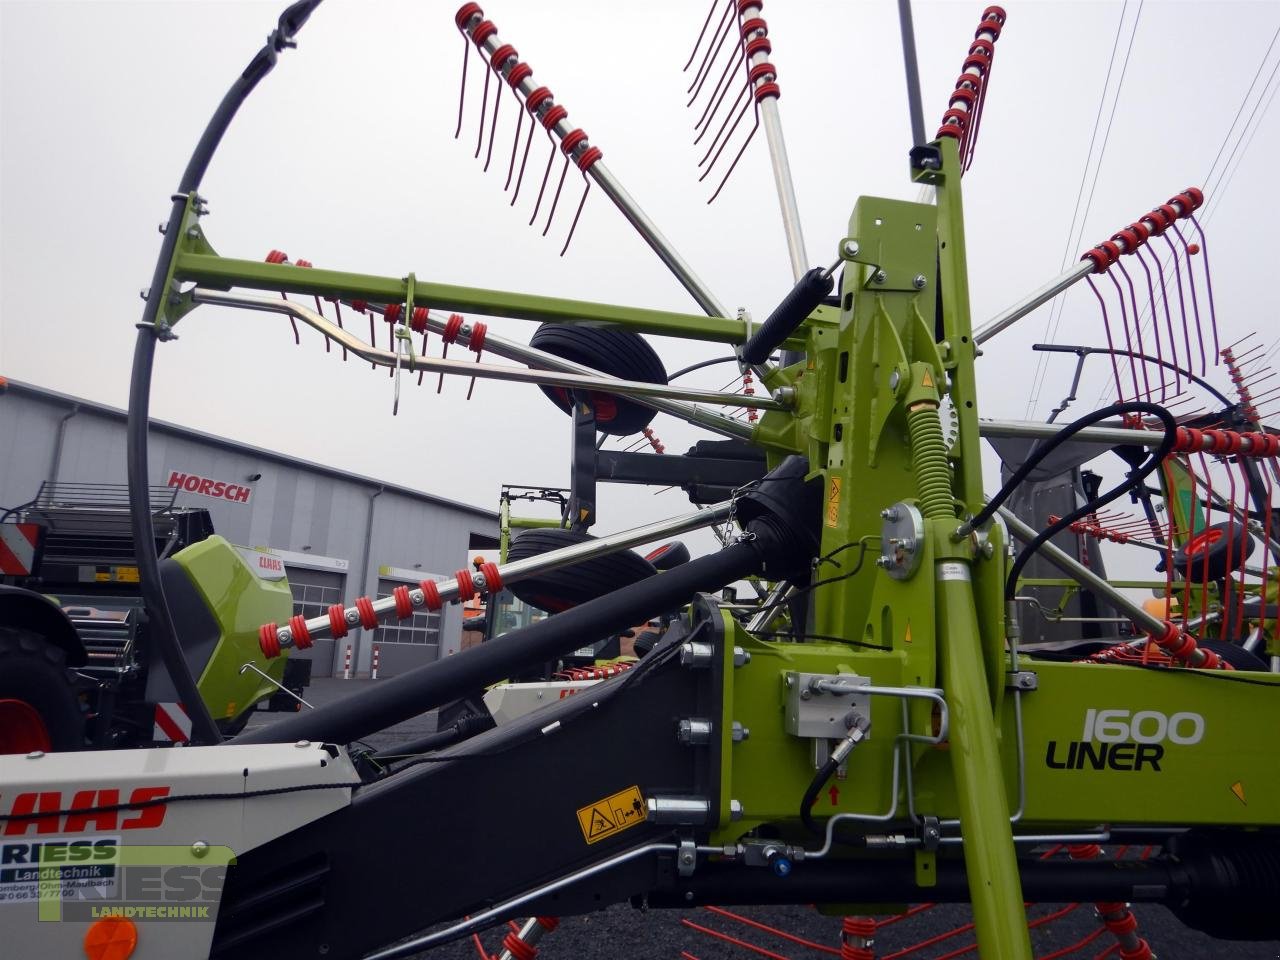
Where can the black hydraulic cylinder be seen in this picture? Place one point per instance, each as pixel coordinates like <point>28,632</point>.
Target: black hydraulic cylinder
<point>803,299</point>
<point>419,690</point>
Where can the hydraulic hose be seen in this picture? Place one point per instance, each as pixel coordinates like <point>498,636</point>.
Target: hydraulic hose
<point>160,622</point>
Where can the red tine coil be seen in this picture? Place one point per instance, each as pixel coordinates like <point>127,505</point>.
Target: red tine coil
<point>519,72</point>
<point>553,116</point>
<point>478,330</point>
<point>404,605</point>
<point>277,256</point>
<point>301,635</point>
<point>466,587</point>
<point>589,156</point>
<point>430,595</point>
<point>268,642</point>
<point>536,98</point>
<point>761,70</point>
<point>483,31</point>
<point>751,26</point>
<point>745,5</point>
<point>501,56</point>
<point>391,313</point>
<point>572,139</point>
<point>337,621</point>
<point>492,578</point>
<point>368,619</point>
<point>451,328</point>
<point>465,13</point>
<point>418,323</point>
<point>759,45</point>
<point>766,90</point>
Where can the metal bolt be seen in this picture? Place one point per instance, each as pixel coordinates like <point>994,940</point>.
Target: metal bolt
<point>789,681</point>
<point>988,549</point>
<point>303,744</point>
<point>35,754</point>
<point>894,379</point>
<point>880,276</point>
<point>884,562</point>
<point>686,858</point>
<point>740,732</point>
<point>889,513</point>
<point>908,544</point>
<point>144,293</point>
<point>199,849</point>
<point>805,694</point>
<point>735,809</point>
<point>919,281</point>
<point>193,232</point>
<point>740,657</point>
<point>850,248</point>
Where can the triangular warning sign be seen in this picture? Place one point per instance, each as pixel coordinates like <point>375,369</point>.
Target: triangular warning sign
<point>583,513</point>
<point>1238,789</point>
<point>926,380</point>
<point>600,824</point>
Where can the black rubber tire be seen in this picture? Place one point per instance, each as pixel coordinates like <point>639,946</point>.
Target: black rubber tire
<point>557,590</point>
<point>35,671</point>
<point>668,555</point>
<point>618,353</point>
<point>1209,562</point>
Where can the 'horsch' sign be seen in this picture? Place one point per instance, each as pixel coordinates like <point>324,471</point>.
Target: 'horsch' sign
<point>208,487</point>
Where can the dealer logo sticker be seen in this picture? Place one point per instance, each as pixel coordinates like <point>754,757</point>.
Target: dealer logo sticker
<point>612,815</point>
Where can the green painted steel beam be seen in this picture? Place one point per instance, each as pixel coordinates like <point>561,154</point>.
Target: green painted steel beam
<point>224,272</point>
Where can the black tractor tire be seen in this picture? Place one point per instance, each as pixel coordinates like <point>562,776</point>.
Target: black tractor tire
<point>556,590</point>
<point>34,671</point>
<point>668,555</point>
<point>618,353</point>
<point>1205,556</point>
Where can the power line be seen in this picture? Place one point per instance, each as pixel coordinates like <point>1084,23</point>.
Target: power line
<point>1051,327</point>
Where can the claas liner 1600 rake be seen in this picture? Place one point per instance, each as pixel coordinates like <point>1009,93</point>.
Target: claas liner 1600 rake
<point>884,659</point>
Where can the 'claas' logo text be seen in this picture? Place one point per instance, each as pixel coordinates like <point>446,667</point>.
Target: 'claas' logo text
<point>88,810</point>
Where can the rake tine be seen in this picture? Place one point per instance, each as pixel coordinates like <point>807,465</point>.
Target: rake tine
<point>701,33</point>
<point>555,201</point>
<point>581,203</point>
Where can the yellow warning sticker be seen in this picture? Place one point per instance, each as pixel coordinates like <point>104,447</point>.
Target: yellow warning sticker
<point>612,815</point>
<point>1238,789</point>
<point>833,503</point>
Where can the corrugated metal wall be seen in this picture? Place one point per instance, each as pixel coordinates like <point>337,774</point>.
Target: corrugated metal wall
<point>316,518</point>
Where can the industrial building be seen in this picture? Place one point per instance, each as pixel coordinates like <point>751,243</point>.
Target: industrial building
<point>339,535</point>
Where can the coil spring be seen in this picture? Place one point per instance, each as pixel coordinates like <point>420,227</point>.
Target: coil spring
<point>929,451</point>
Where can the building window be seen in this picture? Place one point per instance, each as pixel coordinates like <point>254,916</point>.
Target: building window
<point>314,591</point>
<point>422,628</point>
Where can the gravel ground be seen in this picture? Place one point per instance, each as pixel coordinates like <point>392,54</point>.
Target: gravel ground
<point>624,932</point>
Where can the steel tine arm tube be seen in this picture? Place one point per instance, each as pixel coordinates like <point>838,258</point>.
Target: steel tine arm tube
<point>416,691</point>
<point>598,172</point>
<point>318,627</point>
<point>1013,314</point>
<point>772,123</point>
<point>1104,434</point>
<point>1082,574</point>
<point>540,359</point>
<point>483,371</point>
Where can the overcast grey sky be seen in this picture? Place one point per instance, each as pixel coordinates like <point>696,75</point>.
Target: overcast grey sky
<point>345,156</point>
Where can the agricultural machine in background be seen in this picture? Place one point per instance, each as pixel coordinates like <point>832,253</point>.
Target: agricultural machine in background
<point>877,729</point>
<point>77,665</point>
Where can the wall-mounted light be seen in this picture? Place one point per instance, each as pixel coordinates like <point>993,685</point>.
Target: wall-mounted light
<point>253,476</point>
<point>306,546</point>
<point>417,566</point>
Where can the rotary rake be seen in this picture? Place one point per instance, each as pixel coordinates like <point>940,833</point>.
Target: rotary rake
<point>915,709</point>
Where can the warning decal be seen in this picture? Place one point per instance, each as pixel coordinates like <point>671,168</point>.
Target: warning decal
<point>603,819</point>
<point>833,502</point>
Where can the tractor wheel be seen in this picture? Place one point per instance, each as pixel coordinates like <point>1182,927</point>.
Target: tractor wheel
<point>39,707</point>
<point>556,590</point>
<point>618,353</point>
<point>1214,552</point>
